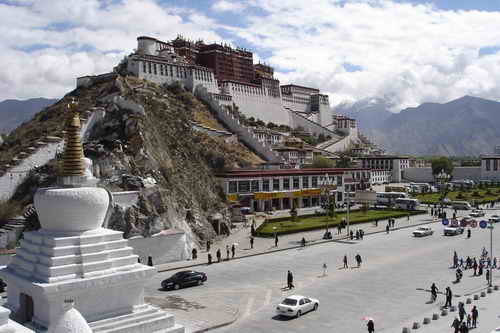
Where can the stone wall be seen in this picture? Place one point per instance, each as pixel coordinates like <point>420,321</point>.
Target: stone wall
<point>164,248</point>
<point>310,126</point>
<point>244,134</point>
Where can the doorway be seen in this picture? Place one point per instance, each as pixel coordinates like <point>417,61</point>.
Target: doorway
<point>25,313</point>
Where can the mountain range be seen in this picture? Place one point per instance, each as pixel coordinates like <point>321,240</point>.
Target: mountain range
<point>14,112</point>
<point>465,126</point>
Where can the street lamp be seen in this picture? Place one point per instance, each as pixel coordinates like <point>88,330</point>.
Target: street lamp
<point>490,282</point>
<point>442,179</point>
<point>325,186</point>
<point>348,203</point>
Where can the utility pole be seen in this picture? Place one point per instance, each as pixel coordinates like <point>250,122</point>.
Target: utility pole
<point>490,282</point>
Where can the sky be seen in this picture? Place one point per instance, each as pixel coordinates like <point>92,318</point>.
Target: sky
<point>407,51</point>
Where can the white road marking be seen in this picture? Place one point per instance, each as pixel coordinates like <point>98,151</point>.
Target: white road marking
<point>268,297</point>
<point>248,309</point>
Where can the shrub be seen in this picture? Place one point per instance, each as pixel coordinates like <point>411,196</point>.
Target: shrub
<point>9,209</point>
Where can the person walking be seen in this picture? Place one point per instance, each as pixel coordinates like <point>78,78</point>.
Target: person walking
<point>150,261</point>
<point>289,280</point>
<point>358,260</point>
<point>209,259</point>
<point>275,240</point>
<point>361,234</point>
<point>227,252</point>
<point>468,233</point>
<point>233,250</point>
<point>432,211</point>
<point>218,254</point>
<point>487,276</point>
<point>469,321</point>
<point>325,267</point>
<point>345,261</point>
<point>251,242</point>
<point>464,328</point>
<point>370,326</point>
<point>387,228</point>
<point>461,311</point>
<point>475,314</point>
<point>208,245</point>
<point>408,217</point>
<point>351,234</point>
<point>434,291</point>
<point>194,253</point>
<point>456,325</point>
<point>449,296</point>
<point>474,266</point>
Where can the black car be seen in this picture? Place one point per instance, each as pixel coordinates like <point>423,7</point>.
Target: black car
<point>184,279</point>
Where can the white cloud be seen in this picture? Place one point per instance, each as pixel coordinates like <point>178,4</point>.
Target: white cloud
<point>228,6</point>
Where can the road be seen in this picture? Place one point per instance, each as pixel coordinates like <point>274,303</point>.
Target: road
<point>388,287</point>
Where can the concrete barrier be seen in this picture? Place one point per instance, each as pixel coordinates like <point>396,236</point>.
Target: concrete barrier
<point>483,294</point>
<point>468,301</point>
<point>489,290</point>
<point>452,308</point>
<point>415,326</point>
<point>444,312</point>
<point>495,287</point>
<point>435,316</point>
<point>406,330</point>
<point>427,320</point>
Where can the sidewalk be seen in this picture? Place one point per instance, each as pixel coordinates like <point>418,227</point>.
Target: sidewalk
<point>241,237</point>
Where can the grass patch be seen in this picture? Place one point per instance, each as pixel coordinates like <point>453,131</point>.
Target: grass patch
<point>319,222</point>
<point>479,196</point>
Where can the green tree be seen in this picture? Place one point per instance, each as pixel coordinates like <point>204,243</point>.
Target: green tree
<point>442,163</point>
<point>344,161</point>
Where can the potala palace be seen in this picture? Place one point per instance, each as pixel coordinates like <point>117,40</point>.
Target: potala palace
<point>228,76</point>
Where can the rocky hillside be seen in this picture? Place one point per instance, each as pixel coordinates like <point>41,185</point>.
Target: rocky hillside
<point>143,141</point>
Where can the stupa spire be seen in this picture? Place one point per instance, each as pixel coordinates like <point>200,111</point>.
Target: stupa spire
<point>72,160</point>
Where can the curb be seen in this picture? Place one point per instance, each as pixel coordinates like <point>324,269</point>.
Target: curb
<point>316,242</point>
<point>227,323</point>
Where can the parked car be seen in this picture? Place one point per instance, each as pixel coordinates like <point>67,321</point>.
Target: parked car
<point>452,231</point>
<point>477,213</point>
<point>184,279</point>
<point>423,231</point>
<point>296,305</point>
<point>495,218</point>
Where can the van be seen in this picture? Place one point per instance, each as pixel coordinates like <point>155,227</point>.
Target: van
<point>461,205</point>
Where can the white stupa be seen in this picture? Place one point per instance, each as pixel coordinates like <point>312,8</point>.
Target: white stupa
<point>73,258</point>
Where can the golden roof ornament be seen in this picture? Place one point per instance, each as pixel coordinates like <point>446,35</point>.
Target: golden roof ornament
<point>72,159</point>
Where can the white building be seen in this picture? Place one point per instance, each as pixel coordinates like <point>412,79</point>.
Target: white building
<point>395,164</point>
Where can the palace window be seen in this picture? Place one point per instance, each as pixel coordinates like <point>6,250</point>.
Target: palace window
<point>488,167</point>
<point>286,183</point>
<point>254,186</point>
<point>144,69</point>
<point>154,69</point>
<point>305,182</point>
<point>314,181</point>
<point>149,67</point>
<point>233,187</point>
<point>276,184</point>
<point>265,185</point>
<point>339,180</point>
<point>495,164</point>
<point>244,186</point>
<point>296,183</point>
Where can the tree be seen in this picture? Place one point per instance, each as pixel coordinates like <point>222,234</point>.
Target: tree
<point>344,161</point>
<point>321,162</point>
<point>442,163</point>
<point>271,125</point>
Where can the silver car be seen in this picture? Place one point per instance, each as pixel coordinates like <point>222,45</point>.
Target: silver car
<point>296,305</point>
<point>423,231</point>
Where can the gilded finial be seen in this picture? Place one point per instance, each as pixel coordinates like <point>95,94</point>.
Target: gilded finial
<point>72,159</point>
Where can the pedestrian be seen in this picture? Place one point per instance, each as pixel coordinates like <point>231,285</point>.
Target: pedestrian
<point>456,325</point>
<point>351,234</point>
<point>218,254</point>
<point>449,295</point>
<point>209,259</point>
<point>461,311</point>
<point>275,240</point>
<point>289,280</point>
<point>194,253</point>
<point>251,242</point>
<point>345,261</point>
<point>474,266</point>
<point>480,270</point>
<point>150,261</point>
<point>487,276</point>
<point>387,228</point>
<point>208,245</point>
<point>432,211</point>
<point>468,233</point>
<point>371,326</point>
<point>469,320</point>
<point>358,260</point>
<point>357,234</point>
<point>455,259</point>
<point>339,229</point>
<point>233,250</point>
<point>434,291</point>
<point>303,242</point>
<point>376,223</point>
<point>475,314</point>
<point>464,328</point>
<point>252,230</point>
<point>495,262</point>
<point>324,269</point>
<point>361,234</point>
<point>408,217</point>
<point>227,252</point>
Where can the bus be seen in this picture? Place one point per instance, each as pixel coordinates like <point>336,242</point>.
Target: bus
<point>388,198</point>
<point>461,205</point>
<point>406,203</point>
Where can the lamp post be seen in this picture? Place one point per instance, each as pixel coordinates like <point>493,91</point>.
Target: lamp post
<point>325,185</point>
<point>442,179</point>
<point>490,282</point>
<point>348,203</point>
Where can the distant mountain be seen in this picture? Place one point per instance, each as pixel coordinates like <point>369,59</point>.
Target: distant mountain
<point>466,126</point>
<point>14,112</point>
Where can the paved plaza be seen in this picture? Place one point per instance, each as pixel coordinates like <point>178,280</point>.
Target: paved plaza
<point>390,286</point>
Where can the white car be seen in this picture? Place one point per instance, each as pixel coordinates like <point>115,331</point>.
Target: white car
<point>477,213</point>
<point>452,231</point>
<point>296,305</point>
<point>496,330</point>
<point>495,218</point>
<point>423,231</point>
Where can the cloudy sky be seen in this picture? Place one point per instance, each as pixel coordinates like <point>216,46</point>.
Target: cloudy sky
<point>410,51</point>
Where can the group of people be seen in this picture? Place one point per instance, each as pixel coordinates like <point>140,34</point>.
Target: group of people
<point>357,257</point>
<point>478,265</point>
<point>359,234</point>
<point>229,249</point>
<point>465,321</point>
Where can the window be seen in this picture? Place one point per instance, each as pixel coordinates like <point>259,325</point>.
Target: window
<point>154,69</point>
<point>296,183</point>
<point>339,180</point>
<point>149,67</point>
<point>276,184</point>
<point>286,183</point>
<point>144,67</point>
<point>233,187</point>
<point>244,186</point>
<point>314,181</point>
<point>254,186</point>
<point>488,167</point>
<point>305,182</point>
<point>495,164</point>
<point>265,185</point>
<point>161,70</point>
